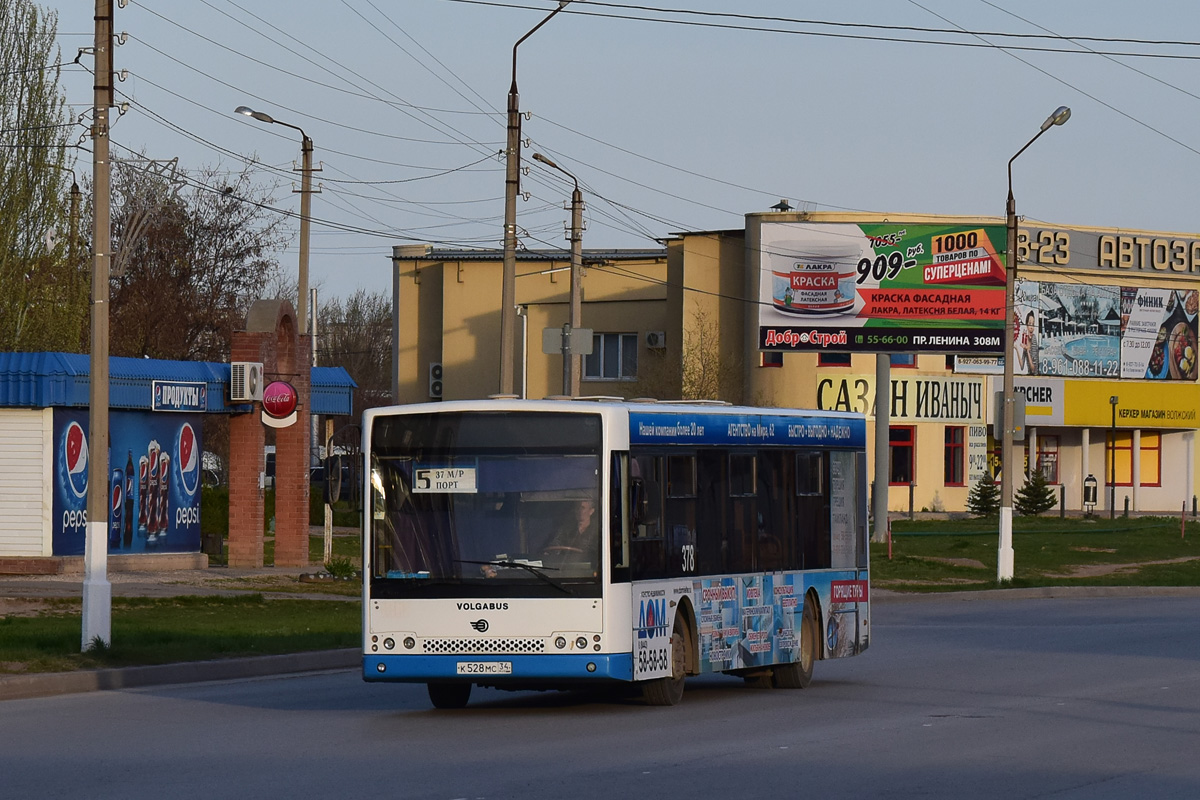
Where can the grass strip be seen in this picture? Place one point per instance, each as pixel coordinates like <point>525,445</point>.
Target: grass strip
<point>167,630</point>
<point>1148,551</point>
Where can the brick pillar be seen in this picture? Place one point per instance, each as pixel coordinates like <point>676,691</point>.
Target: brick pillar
<point>246,442</point>
<point>291,468</point>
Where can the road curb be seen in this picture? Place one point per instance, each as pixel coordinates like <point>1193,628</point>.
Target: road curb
<point>15,687</point>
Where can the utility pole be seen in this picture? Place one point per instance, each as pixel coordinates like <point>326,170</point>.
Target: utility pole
<point>97,591</point>
<point>512,187</point>
<point>571,363</point>
<point>306,171</point>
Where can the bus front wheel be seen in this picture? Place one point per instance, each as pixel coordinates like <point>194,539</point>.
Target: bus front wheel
<point>798,674</point>
<point>668,691</point>
<point>449,694</point>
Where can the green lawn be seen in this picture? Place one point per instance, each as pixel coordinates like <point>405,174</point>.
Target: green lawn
<point>166,630</point>
<point>961,554</point>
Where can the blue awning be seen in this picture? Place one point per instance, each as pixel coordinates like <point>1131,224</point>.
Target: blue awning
<point>45,380</point>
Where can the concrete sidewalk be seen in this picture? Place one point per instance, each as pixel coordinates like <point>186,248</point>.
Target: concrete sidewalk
<point>20,594</point>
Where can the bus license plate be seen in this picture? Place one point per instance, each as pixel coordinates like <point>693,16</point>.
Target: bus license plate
<point>485,668</point>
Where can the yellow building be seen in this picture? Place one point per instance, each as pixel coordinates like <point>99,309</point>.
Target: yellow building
<point>1104,351</point>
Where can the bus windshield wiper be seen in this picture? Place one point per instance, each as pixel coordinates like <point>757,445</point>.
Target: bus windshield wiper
<point>537,572</point>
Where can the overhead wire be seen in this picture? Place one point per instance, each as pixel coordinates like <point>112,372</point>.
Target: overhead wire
<point>580,11</point>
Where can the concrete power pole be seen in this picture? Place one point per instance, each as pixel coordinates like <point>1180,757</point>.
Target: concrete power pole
<point>97,591</point>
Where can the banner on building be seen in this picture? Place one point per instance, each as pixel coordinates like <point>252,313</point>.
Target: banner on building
<point>843,287</point>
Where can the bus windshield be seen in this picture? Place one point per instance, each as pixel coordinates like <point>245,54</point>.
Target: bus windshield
<point>503,503</point>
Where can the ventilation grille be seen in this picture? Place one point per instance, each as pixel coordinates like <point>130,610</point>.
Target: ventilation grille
<point>480,646</point>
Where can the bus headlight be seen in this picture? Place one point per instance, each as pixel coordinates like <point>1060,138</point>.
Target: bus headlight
<point>560,642</point>
<point>389,643</point>
<point>409,643</point>
<point>581,643</point>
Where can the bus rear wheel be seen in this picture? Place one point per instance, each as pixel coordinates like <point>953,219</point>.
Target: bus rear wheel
<point>798,674</point>
<point>450,694</point>
<point>668,691</point>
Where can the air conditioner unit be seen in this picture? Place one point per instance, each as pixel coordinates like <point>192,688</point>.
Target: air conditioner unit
<point>656,340</point>
<point>435,380</point>
<point>245,381</point>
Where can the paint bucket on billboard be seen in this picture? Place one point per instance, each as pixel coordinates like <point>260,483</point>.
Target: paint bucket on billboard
<point>814,276</point>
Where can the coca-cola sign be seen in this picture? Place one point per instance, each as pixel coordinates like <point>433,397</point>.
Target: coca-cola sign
<point>279,399</point>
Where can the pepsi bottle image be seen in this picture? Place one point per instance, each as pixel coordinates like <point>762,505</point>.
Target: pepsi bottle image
<point>116,508</point>
<point>143,488</point>
<point>152,493</point>
<point>164,494</point>
<point>127,524</point>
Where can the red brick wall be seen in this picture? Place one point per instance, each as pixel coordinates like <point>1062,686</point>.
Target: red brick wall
<point>284,356</point>
<point>291,466</point>
<point>246,441</point>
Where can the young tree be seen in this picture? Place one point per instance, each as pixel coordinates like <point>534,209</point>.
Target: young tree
<point>984,497</point>
<point>43,296</point>
<point>1035,496</point>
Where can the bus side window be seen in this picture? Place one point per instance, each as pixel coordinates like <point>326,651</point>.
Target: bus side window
<point>775,529</point>
<point>812,509</point>
<point>647,545</point>
<point>623,497</point>
<point>679,517</point>
<point>646,475</point>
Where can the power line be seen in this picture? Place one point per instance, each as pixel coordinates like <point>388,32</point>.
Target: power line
<point>826,34</point>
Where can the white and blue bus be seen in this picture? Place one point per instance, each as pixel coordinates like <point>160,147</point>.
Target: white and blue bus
<point>554,544</point>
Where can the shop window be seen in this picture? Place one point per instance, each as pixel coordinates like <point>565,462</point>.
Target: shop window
<point>956,455</point>
<point>1150,457</point>
<point>1047,457</point>
<point>770,359</point>
<point>906,360</point>
<point>902,440</point>
<point>833,359</point>
<point>614,357</point>
<point>1118,459</point>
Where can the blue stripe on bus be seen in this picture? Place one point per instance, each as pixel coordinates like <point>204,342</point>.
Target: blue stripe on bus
<point>698,427</point>
<point>420,668</point>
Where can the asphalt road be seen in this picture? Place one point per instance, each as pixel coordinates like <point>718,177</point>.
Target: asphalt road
<point>977,696</point>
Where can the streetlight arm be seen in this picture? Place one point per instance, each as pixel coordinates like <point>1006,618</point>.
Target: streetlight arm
<point>552,165</point>
<point>561,5</point>
<point>264,117</point>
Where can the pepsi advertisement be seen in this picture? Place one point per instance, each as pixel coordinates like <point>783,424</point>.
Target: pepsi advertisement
<point>152,477</point>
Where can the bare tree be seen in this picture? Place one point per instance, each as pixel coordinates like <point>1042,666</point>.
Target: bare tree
<point>356,333</point>
<point>195,254</point>
<point>703,371</point>
<point>43,295</point>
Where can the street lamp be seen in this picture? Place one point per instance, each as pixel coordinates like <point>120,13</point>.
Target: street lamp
<point>306,170</point>
<point>1112,460</point>
<point>571,364</point>
<point>1004,566</point>
<point>512,185</point>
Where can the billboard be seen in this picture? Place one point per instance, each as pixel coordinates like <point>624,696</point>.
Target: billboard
<point>880,287</point>
<point>1077,330</point>
<point>153,473</point>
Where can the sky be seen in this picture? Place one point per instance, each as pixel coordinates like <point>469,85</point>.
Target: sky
<point>670,121</point>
